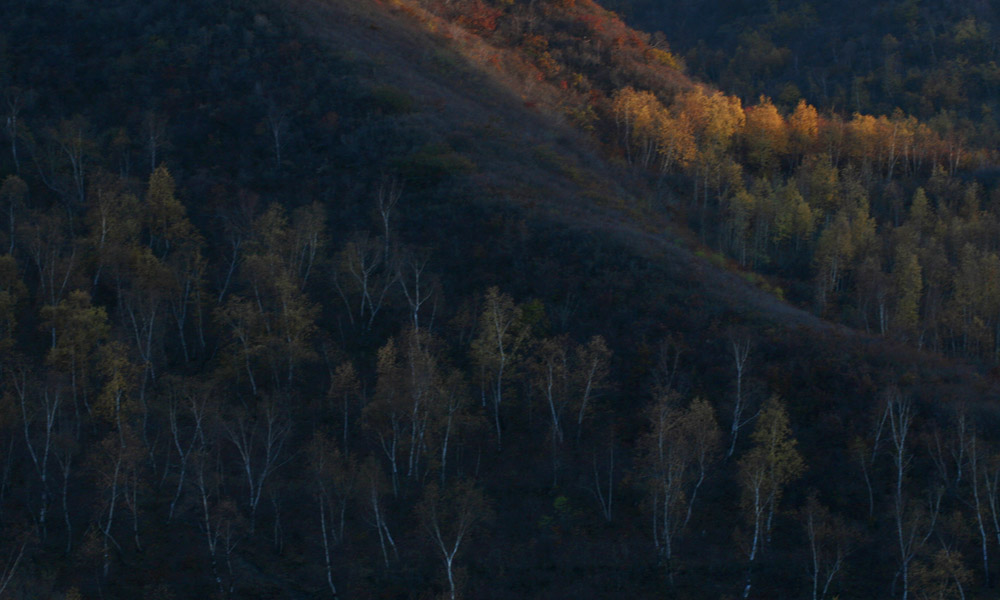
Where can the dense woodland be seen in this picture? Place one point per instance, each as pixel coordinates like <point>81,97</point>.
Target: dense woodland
<point>317,299</point>
<point>930,58</point>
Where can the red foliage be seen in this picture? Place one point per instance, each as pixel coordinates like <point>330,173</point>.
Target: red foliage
<point>480,18</point>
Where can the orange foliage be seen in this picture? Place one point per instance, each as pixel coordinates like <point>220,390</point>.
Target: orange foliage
<point>803,127</point>
<point>650,133</point>
<point>715,117</point>
<point>537,47</point>
<point>765,135</point>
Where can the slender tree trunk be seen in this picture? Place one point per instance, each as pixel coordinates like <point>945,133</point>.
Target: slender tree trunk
<point>65,503</point>
<point>111,517</point>
<point>326,549</point>
<point>983,537</point>
<point>451,577</point>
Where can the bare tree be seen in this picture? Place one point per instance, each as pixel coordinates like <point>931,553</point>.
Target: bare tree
<point>592,370</point>
<point>192,403</point>
<point>334,479</point>
<point>309,239</point>
<point>498,347</point>
<point>605,492</point>
<point>120,450</point>
<point>741,352</point>
<point>237,229</point>
<point>111,457</point>
<point>550,378</point>
<point>72,138</point>
<point>677,452</point>
<point>38,403</point>
<point>243,321</point>
<point>155,133</point>
<point>66,448</point>
<point>417,287</point>
<point>666,373</point>
<point>15,99</point>
<point>374,481</point>
<point>277,124</point>
<point>963,431</point>
<point>991,483</point>
<point>207,482</point>
<point>830,542</point>
<point>387,413</point>
<point>363,270</point>
<point>140,304</point>
<point>345,389</point>
<point>13,561</point>
<point>45,237</point>
<point>977,469</point>
<point>899,413</point>
<point>449,516</point>
<point>187,270</point>
<point>387,196</point>
<point>259,440</point>
<point>914,524</point>
<point>454,399</point>
<point>423,386</point>
<point>703,440</point>
<point>867,452</point>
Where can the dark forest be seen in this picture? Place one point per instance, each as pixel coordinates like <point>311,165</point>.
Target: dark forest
<point>499,299</point>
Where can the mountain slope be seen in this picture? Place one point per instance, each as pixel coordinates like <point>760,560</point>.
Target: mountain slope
<point>564,179</point>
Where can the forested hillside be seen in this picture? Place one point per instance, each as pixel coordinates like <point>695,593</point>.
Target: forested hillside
<point>481,299</point>
<point>934,60</point>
